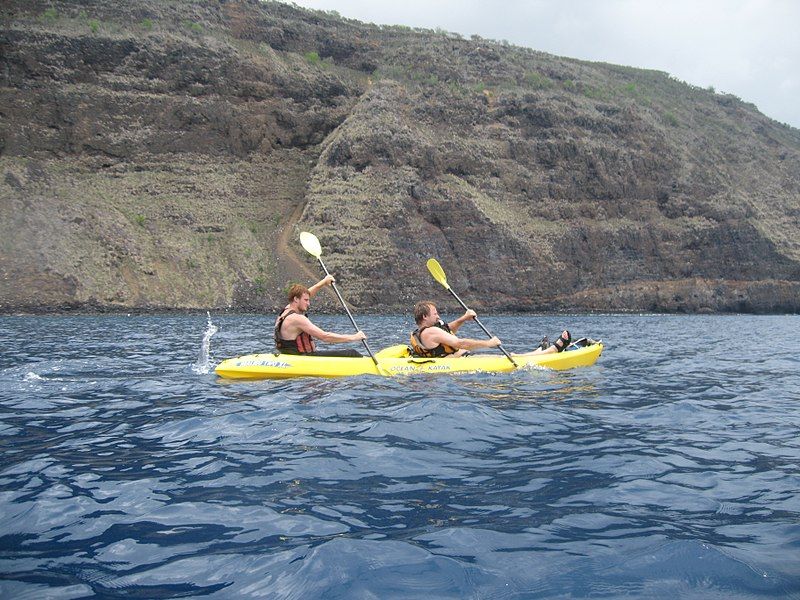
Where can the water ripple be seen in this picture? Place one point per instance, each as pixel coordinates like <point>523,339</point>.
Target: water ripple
<point>668,469</point>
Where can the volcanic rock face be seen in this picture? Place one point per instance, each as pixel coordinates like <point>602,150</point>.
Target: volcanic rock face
<point>165,155</point>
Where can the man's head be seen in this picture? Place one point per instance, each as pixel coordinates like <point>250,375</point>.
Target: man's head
<point>425,310</point>
<point>299,297</point>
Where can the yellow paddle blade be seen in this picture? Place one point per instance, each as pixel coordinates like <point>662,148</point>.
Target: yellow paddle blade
<point>311,244</point>
<point>438,273</point>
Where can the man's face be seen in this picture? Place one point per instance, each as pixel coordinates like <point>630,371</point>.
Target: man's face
<point>303,303</point>
<point>431,318</point>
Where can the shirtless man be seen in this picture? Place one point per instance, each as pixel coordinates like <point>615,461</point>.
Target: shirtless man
<point>435,338</point>
<point>295,333</point>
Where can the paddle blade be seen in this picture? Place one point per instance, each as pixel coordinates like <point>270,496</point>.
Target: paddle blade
<point>438,273</point>
<point>311,244</point>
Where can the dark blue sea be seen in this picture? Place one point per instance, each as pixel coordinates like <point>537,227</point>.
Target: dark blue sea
<point>670,469</point>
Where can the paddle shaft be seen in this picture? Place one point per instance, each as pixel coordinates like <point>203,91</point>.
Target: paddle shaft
<point>486,331</point>
<point>347,310</point>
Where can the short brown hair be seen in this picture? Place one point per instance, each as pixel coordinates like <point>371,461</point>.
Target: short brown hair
<point>296,291</point>
<point>422,309</point>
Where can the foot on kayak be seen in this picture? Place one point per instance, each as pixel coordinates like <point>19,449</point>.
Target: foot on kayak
<point>563,341</point>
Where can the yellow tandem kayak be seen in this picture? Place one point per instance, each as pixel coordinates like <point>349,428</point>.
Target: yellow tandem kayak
<point>396,360</point>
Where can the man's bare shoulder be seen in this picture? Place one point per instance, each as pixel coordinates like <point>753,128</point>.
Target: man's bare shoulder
<point>433,333</point>
<point>295,318</point>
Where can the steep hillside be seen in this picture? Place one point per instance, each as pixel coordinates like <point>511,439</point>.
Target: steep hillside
<point>165,155</point>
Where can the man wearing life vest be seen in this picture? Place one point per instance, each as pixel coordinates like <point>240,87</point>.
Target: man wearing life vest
<point>295,333</point>
<point>434,338</point>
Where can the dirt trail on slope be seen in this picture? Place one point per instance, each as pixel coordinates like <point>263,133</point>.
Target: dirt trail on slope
<point>290,266</point>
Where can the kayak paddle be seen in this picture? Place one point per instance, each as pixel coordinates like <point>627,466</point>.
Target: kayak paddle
<point>438,274</point>
<point>311,244</point>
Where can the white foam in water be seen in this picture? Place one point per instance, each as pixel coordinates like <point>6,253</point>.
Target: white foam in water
<point>31,376</point>
<point>203,364</point>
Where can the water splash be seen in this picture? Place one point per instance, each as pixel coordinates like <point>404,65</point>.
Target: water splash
<point>203,364</point>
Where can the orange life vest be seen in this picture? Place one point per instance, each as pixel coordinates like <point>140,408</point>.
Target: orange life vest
<point>302,344</point>
<point>435,352</point>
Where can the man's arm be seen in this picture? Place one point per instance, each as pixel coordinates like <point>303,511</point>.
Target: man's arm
<point>433,336</point>
<point>327,280</point>
<point>303,323</point>
<point>467,316</point>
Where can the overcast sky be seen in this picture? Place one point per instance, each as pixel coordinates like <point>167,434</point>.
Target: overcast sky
<point>750,48</point>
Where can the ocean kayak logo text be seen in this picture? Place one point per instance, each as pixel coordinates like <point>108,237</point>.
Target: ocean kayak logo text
<point>418,368</point>
<point>263,363</point>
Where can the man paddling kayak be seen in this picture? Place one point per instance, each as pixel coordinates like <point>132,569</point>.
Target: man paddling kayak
<point>434,338</point>
<point>295,333</point>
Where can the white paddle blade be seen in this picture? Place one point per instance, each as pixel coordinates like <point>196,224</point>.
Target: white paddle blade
<point>311,244</point>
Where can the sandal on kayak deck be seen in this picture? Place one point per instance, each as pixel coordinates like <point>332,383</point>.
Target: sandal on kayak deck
<point>563,341</point>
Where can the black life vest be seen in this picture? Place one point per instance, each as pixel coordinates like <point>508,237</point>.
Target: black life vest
<point>302,344</point>
<point>437,351</point>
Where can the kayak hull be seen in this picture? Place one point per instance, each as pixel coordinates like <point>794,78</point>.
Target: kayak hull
<point>286,366</point>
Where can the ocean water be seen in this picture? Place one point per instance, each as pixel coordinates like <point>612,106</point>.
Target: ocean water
<point>670,469</point>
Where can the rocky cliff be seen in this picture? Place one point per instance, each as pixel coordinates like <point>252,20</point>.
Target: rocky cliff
<point>166,155</point>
